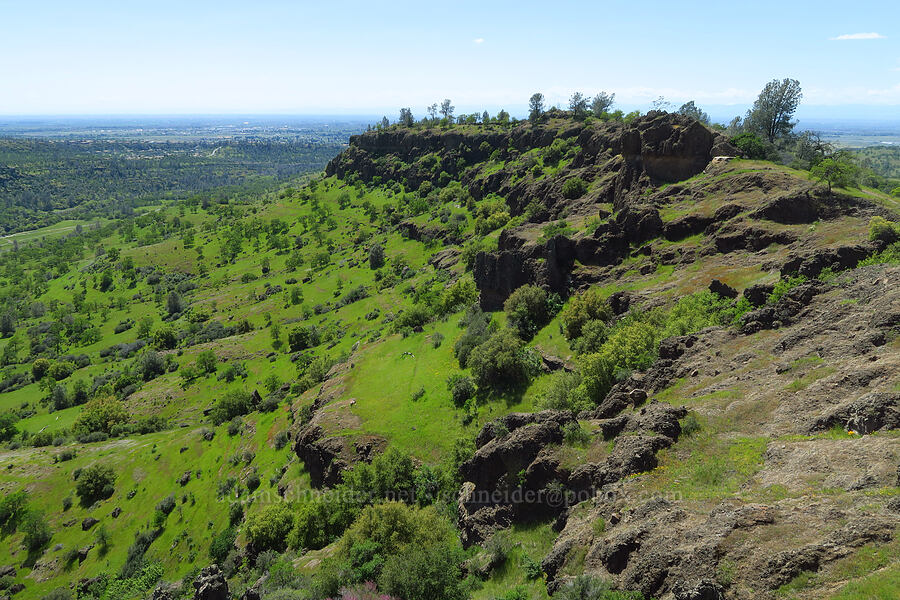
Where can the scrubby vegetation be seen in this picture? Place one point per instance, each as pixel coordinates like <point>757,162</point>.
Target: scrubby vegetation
<point>297,381</point>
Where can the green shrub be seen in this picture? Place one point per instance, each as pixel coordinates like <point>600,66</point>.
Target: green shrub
<point>422,553</point>
<point>37,531</point>
<point>588,587</point>
<point>575,435</point>
<point>8,429</point>
<point>95,483</point>
<point>690,425</point>
<point>302,338</point>
<point>559,393</point>
<point>884,230</point>
<point>222,544</point>
<point>281,439</point>
<point>461,388</point>
<point>320,521</point>
<point>582,308</point>
<point>551,230</point>
<point>424,573</point>
<point>701,310</point>
<point>100,415</point>
<point>12,509</point>
<point>751,145</point>
<point>234,404</point>
<point>166,505</point>
<point>269,528</point>
<point>479,327</point>
<point>207,362</point>
<point>134,560</point>
<point>460,294</point>
<point>593,335</point>
<point>39,368</point>
<point>631,346</point>
<point>61,370</point>
<point>574,187</point>
<point>376,257</point>
<point>783,286</point>
<point>531,568</point>
<point>501,362</point>
<point>527,310</point>
<point>414,317</point>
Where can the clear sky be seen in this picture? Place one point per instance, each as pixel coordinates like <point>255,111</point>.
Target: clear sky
<point>349,57</point>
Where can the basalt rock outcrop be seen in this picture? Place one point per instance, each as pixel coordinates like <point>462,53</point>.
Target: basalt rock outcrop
<point>211,585</point>
<point>515,475</point>
<point>623,159</point>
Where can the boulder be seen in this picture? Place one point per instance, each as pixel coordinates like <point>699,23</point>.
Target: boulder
<point>723,289</point>
<point>758,293</point>
<point>211,585</point>
<point>88,523</point>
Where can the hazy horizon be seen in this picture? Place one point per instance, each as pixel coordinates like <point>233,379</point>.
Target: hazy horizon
<point>278,57</point>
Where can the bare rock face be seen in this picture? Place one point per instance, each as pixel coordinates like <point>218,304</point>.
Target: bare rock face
<point>211,585</point>
<point>811,264</point>
<point>321,455</point>
<point>667,147</point>
<point>514,476</point>
<point>655,148</point>
<point>509,476</point>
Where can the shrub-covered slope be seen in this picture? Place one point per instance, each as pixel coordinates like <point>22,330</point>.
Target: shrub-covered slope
<point>474,361</point>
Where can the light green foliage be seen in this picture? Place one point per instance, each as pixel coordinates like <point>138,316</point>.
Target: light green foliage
<point>95,483</point>
<point>101,414</point>
<point>582,308</point>
<point>501,362</point>
<point>269,528</point>
<point>884,230</point>
<point>527,310</point>
<point>233,404</point>
<point>631,346</point>
<point>556,228</point>
<point>836,172</point>
<point>783,286</point>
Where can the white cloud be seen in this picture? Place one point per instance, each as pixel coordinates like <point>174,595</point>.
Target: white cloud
<point>859,36</point>
<point>478,41</point>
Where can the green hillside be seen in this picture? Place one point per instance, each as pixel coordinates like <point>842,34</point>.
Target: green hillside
<point>594,358</point>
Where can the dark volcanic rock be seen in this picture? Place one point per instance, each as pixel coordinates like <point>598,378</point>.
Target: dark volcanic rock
<point>722,289</point>
<point>88,523</point>
<point>686,227</point>
<point>757,294</point>
<point>732,237</point>
<point>509,454</point>
<point>869,413</point>
<point>211,585</point>
<point>838,259</point>
<point>321,455</point>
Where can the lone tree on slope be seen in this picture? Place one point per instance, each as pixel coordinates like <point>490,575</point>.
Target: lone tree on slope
<point>602,103</point>
<point>578,105</point>
<point>536,107</point>
<point>771,114</point>
<point>447,109</point>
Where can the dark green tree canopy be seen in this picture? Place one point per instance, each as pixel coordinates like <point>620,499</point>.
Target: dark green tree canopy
<point>447,109</point>
<point>578,104</point>
<point>689,109</point>
<point>536,107</point>
<point>771,114</point>
<point>601,103</point>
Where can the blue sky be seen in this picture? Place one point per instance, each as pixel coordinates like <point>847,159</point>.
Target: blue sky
<point>347,57</point>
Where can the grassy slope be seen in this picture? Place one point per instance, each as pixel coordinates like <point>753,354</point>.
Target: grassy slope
<point>381,382</point>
